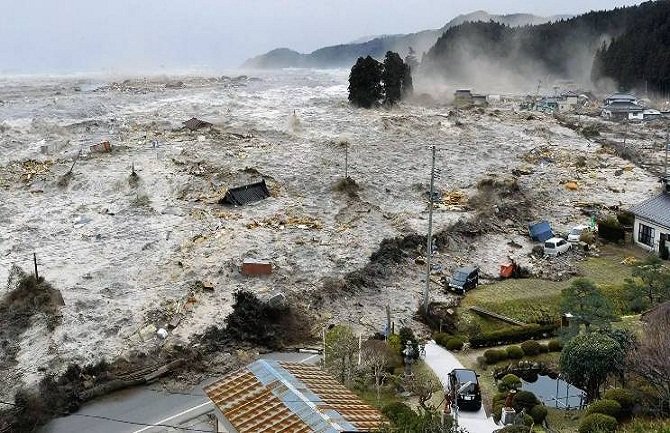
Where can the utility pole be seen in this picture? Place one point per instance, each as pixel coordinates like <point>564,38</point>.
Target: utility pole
<point>346,160</point>
<point>667,144</point>
<point>37,276</point>
<point>429,242</point>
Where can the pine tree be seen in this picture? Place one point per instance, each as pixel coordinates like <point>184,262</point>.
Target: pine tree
<point>393,77</point>
<point>365,89</point>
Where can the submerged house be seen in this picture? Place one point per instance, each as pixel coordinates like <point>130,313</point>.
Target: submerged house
<point>463,97</point>
<point>269,396</point>
<point>652,222</point>
<point>246,194</point>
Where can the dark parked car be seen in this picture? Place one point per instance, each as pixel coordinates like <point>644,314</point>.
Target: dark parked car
<point>471,397</point>
<point>464,279</point>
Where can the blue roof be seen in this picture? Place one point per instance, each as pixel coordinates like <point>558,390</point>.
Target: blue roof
<point>540,231</point>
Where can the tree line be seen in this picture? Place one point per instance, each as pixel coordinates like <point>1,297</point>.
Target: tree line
<point>372,83</point>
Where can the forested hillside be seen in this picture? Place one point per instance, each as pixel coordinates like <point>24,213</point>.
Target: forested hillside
<point>637,36</point>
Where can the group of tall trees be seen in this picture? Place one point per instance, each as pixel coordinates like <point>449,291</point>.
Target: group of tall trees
<point>372,82</point>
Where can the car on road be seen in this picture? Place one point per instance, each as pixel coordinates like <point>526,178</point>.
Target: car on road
<point>576,233</point>
<point>463,279</point>
<point>470,397</point>
<point>556,246</point>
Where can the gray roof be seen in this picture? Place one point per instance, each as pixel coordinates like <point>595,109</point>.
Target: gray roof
<point>623,107</point>
<point>656,209</point>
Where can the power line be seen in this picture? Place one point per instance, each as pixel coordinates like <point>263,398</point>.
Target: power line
<point>122,421</point>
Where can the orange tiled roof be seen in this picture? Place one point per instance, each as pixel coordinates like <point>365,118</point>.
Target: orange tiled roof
<point>273,397</point>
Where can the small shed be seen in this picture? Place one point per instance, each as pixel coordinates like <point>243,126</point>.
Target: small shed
<point>246,194</point>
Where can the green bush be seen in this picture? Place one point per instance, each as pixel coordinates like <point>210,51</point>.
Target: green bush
<point>544,348</point>
<point>508,382</point>
<point>481,362</point>
<point>512,335</point>
<point>531,348</point>
<point>514,352</point>
<point>598,423</point>
<point>524,400</point>
<point>514,429</point>
<point>624,397</point>
<point>555,346</point>
<point>606,407</point>
<point>455,343</point>
<point>528,420</point>
<point>538,412</point>
<point>441,338</point>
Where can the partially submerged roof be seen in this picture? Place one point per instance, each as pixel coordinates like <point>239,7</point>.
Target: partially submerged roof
<point>655,210</point>
<point>195,124</point>
<point>622,97</point>
<point>270,397</point>
<point>246,194</point>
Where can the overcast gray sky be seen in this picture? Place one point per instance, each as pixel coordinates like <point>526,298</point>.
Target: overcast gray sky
<point>42,36</point>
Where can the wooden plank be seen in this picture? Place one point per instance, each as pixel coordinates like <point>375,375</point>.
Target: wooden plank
<point>486,313</point>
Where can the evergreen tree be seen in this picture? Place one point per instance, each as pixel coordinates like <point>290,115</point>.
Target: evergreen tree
<point>393,77</point>
<point>365,89</point>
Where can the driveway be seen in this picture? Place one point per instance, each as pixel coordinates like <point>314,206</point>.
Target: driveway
<point>441,361</point>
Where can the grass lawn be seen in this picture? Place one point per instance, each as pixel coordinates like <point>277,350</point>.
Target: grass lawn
<point>530,299</point>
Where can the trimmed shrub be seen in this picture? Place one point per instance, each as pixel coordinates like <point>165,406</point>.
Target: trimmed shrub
<point>528,420</point>
<point>524,400</point>
<point>555,346</point>
<point>455,343</point>
<point>538,412</point>
<point>606,407</point>
<point>530,348</point>
<point>598,423</point>
<point>624,397</point>
<point>514,429</point>
<point>513,335</point>
<point>481,362</point>
<point>544,348</point>
<point>492,356</point>
<point>509,381</point>
<point>514,352</point>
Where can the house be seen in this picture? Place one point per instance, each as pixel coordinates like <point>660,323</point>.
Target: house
<point>620,110</point>
<point>569,100</point>
<point>463,97</point>
<point>650,114</point>
<point>269,396</point>
<point>479,100</point>
<point>548,105</point>
<point>621,97</point>
<point>194,124</point>
<point>246,194</point>
<point>652,222</point>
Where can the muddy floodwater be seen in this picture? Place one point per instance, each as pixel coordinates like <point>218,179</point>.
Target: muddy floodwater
<point>132,254</point>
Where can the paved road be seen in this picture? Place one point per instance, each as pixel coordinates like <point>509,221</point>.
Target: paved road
<point>442,362</point>
<point>146,406</point>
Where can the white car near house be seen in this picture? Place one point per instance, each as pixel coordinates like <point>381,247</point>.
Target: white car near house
<point>577,231</point>
<point>556,246</point>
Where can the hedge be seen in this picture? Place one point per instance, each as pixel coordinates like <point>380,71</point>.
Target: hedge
<point>606,407</point>
<point>624,397</point>
<point>598,423</point>
<point>555,346</point>
<point>455,343</point>
<point>512,335</point>
<point>514,352</point>
<point>531,348</point>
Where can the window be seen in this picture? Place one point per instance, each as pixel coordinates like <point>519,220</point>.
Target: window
<point>645,235</point>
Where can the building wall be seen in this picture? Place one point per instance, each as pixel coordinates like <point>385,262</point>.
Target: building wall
<point>657,233</point>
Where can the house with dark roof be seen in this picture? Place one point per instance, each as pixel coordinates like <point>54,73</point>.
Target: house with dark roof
<point>652,222</point>
<point>269,396</point>
<point>619,110</point>
<point>620,97</point>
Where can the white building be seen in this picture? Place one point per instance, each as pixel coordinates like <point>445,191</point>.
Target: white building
<point>652,223</point>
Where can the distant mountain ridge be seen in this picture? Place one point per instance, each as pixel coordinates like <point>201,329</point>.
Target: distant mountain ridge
<point>345,55</point>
